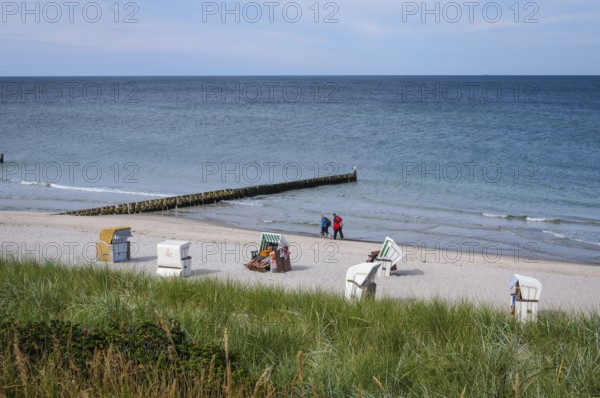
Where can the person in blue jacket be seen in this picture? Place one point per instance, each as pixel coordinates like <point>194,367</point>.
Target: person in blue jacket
<point>325,224</point>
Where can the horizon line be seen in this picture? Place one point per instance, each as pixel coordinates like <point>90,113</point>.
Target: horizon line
<point>314,75</point>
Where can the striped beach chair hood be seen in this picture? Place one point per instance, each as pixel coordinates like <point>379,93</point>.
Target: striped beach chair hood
<point>267,237</point>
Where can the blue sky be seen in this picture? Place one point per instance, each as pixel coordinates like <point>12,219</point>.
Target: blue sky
<point>291,38</point>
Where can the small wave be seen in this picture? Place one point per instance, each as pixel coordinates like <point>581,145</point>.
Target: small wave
<point>562,236</point>
<point>93,189</point>
<point>41,184</point>
<point>113,190</point>
<point>268,221</point>
<point>506,216</point>
<point>524,218</point>
<point>248,203</point>
<point>543,219</point>
<point>586,242</point>
<point>555,234</point>
<point>537,219</point>
<point>494,215</point>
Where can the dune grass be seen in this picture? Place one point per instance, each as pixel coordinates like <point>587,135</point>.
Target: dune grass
<point>311,344</point>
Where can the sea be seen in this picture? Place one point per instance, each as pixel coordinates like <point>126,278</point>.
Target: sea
<point>491,165</point>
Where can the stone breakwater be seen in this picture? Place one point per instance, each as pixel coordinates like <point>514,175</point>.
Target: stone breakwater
<point>206,198</point>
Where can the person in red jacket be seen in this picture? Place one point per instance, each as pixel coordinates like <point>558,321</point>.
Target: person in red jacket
<point>337,226</point>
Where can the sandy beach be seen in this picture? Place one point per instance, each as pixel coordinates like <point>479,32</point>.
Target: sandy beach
<point>477,274</point>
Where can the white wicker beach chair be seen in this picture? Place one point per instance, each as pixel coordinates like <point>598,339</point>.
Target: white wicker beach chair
<point>360,282</point>
<point>525,296</point>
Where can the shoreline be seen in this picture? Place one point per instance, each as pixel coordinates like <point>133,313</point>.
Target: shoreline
<point>219,251</point>
<point>539,256</point>
<point>213,222</point>
<point>223,224</point>
<point>446,236</point>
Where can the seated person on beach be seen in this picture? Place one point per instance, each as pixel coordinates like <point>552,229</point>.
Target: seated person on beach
<point>260,260</point>
<point>264,265</point>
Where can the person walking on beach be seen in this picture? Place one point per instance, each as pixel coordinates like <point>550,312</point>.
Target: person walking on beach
<point>325,224</point>
<point>337,226</point>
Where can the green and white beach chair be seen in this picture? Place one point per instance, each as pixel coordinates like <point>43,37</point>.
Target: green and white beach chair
<point>389,256</point>
<point>282,254</point>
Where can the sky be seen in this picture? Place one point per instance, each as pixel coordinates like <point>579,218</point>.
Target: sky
<point>264,37</point>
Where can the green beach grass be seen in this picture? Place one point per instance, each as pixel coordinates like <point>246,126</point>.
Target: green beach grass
<point>260,341</point>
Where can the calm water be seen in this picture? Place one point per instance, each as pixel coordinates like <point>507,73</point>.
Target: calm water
<point>467,164</point>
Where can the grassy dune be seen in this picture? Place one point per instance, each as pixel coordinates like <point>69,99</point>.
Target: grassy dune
<point>226,339</point>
